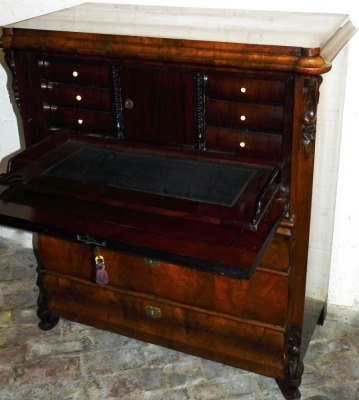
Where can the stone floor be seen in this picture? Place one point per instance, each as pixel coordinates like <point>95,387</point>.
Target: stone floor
<point>77,362</point>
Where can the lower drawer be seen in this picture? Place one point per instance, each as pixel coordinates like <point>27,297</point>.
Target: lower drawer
<point>263,298</point>
<point>211,335</point>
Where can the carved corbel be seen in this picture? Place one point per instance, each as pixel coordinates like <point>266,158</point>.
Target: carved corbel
<point>309,118</point>
<point>289,386</point>
<point>10,62</point>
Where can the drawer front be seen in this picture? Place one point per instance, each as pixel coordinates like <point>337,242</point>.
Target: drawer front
<point>247,144</point>
<point>60,94</point>
<point>75,72</point>
<point>243,89</point>
<point>262,298</point>
<point>78,119</point>
<point>210,335</point>
<point>254,117</point>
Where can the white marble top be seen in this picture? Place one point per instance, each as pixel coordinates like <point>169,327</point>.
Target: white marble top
<point>308,30</point>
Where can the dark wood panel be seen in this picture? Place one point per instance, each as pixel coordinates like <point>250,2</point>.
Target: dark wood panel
<point>158,105</point>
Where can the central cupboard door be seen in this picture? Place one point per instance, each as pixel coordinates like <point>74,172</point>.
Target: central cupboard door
<point>157,105</point>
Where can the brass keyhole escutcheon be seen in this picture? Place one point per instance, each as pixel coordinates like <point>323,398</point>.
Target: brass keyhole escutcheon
<point>153,312</point>
<point>129,104</point>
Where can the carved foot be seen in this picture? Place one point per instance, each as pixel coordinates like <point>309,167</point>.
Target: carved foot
<point>289,390</point>
<point>289,385</point>
<point>46,322</point>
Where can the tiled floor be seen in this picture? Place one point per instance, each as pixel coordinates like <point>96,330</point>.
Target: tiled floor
<point>77,362</point>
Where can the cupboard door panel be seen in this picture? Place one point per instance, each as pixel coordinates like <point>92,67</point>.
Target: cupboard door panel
<point>157,105</point>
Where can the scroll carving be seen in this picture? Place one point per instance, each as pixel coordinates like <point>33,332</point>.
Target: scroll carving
<point>310,103</point>
<point>117,108</point>
<point>9,59</point>
<point>289,386</point>
<point>199,100</point>
<point>47,322</point>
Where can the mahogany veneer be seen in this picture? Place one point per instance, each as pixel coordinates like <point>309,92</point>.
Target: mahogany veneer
<point>132,123</point>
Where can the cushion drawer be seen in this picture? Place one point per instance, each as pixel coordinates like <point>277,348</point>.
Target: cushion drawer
<point>256,117</point>
<point>73,71</point>
<point>262,298</point>
<point>207,334</point>
<point>79,119</point>
<point>244,89</point>
<point>77,96</point>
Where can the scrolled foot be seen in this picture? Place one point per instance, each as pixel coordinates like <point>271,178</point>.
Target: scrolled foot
<point>46,322</point>
<point>289,391</point>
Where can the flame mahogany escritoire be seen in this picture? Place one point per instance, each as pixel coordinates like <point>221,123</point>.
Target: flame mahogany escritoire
<point>168,174</point>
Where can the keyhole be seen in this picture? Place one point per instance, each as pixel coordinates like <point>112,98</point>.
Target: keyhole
<point>128,104</point>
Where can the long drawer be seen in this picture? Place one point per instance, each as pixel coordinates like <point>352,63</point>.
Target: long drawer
<point>262,298</point>
<point>189,329</point>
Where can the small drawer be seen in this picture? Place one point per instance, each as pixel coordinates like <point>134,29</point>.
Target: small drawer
<point>245,143</point>
<point>233,115</point>
<point>80,120</point>
<point>244,89</point>
<point>73,71</point>
<point>76,96</point>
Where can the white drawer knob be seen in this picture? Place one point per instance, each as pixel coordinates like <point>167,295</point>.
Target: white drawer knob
<point>243,117</point>
<point>78,98</point>
<point>75,74</point>
<point>80,121</point>
<point>243,89</point>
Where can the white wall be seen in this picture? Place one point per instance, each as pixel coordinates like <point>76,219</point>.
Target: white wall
<point>344,289</point>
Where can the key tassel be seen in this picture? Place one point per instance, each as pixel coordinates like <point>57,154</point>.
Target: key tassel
<point>101,273</point>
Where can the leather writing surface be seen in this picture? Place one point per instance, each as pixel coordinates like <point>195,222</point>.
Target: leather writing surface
<point>205,182</point>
